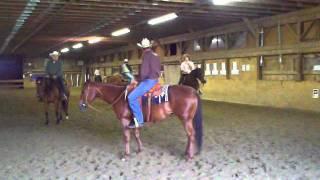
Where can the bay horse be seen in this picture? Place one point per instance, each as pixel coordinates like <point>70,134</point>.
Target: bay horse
<point>116,79</point>
<point>48,92</point>
<point>184,102</point>
<point>193,79</point>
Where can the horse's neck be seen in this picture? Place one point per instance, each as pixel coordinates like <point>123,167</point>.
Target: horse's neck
<point>110,93</point>
<point>49,86</point>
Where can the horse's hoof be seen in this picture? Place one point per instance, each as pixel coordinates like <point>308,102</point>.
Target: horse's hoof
<point>124,157</point>
<point>67,117</point>
<point>189,158</point>
<point>139,151</point>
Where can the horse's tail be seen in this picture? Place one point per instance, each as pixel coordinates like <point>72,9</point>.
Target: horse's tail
<point>197,120</point>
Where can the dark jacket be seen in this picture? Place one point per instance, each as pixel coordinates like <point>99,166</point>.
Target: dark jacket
<point>151,65</point>
<point>54,68</point>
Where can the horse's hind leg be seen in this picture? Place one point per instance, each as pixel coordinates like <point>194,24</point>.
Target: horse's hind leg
<point>139,142</point>
<point>190,150</point>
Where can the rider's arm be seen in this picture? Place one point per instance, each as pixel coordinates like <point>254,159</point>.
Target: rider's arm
<point>144,71</point>
<point>192,65</point>
<point>47,68</point>
<point>59,71</point>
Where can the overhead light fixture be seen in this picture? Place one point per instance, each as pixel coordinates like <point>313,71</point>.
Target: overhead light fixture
<point>223,2</point>
<point>77,46</point>
<point>120,32</point>
<point>94,40</point>
<point>64,50</point>
<point>162,19</point>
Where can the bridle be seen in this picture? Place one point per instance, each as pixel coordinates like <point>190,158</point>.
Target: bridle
<point>99,91</point>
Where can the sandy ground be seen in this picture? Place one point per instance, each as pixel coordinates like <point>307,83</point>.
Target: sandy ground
<point>241,142</point>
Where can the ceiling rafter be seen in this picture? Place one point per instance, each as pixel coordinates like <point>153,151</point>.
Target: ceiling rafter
<point>97,17</point>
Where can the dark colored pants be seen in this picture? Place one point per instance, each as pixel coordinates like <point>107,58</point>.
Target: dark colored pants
<point>61,86</point>
<point>97,79</point>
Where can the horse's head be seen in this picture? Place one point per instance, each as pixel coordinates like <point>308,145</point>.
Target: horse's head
<point>198,74</point>
<point>88,94</point>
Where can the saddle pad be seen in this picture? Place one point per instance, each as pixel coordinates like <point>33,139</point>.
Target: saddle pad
<point>163,97</point>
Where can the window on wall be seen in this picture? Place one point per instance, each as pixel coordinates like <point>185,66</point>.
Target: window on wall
<point>173,49</point>
<point>311,66</point>
<point>196,45</point>
<point>217,42</point>
<point>238,39</point>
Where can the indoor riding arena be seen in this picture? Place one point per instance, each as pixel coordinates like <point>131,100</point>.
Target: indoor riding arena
<point>159,89</point>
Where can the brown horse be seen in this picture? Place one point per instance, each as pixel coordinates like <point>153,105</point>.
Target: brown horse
<point>193,79</point>
<point>184,102</point>
<point>116,79</point>
<point>48,92</point>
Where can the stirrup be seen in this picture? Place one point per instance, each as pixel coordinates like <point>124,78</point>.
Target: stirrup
<point>134,124</point>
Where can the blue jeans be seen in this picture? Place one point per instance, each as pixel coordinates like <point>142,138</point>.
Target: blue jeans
<point>129,76</point>
<point>133,98</point>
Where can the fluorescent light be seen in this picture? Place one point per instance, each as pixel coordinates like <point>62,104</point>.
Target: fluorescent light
<point>162,19</point>
<point>77,46</point>
<point>64,50</point>
<point>215,40</point>
<point>223,2</point>
<point>120,32</point>
<point>94,40</point>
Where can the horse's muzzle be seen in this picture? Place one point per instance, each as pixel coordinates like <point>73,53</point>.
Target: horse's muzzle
<point>83,107</point>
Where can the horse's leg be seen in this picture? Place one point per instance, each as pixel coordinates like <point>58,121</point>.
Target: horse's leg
<point>66,109</point>
<point>46,107</point>
<point>126,139</point>
<point>190,150</point>
<point>139,142</point>
<point>58,111</point>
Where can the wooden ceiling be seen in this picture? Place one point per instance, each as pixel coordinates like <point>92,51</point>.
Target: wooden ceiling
<point>53,24</point>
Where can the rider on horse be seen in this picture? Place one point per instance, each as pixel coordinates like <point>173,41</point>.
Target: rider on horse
<point>126,70</point>
<point>54,70</point>
<point>149,74</point>
<point>186,67</point>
